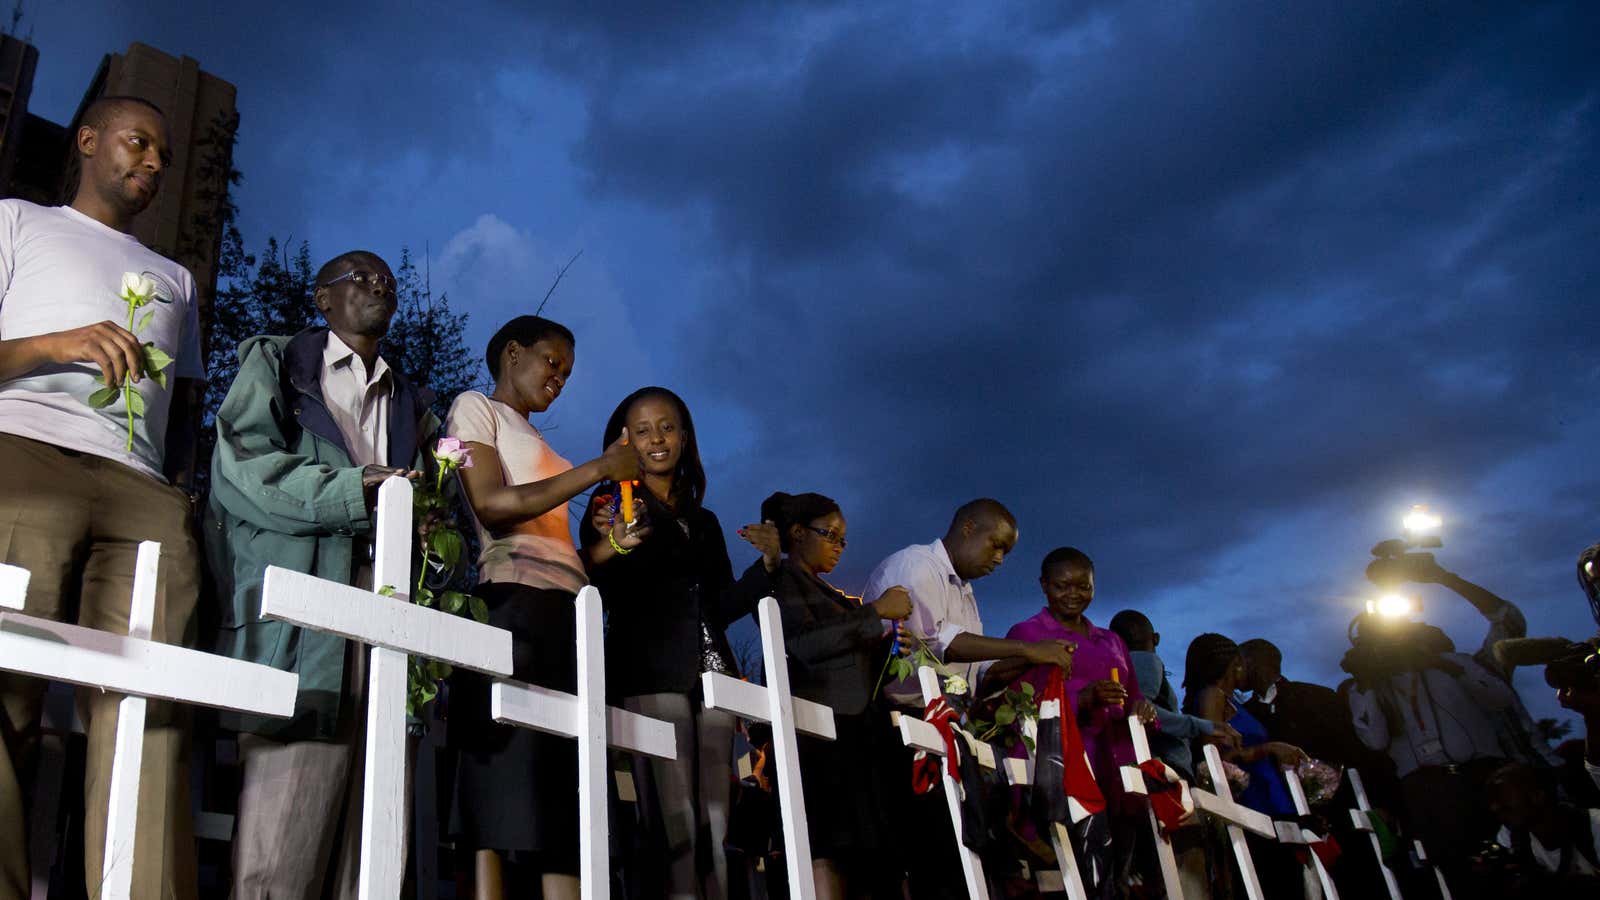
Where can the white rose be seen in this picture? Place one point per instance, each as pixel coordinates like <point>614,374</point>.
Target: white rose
<point>956,685</point>
<point>137,287</point>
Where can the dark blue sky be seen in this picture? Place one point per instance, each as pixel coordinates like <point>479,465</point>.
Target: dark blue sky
<point>1211,291</point>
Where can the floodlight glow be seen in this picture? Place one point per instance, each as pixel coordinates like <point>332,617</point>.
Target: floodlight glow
<point>1420,521</point>
<point>1393,606</point>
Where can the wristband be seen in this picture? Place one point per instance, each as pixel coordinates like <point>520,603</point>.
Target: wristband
<point>620,550</point>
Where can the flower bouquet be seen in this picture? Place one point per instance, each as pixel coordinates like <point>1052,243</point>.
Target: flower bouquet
<point>1319,779</point>
<point>1238,779</point>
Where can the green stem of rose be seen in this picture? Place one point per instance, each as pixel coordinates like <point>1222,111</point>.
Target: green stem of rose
<point>438,487</point>
<point>127,383</point>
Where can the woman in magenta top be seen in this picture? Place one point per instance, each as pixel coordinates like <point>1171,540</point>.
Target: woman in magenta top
<point>1102,703</point>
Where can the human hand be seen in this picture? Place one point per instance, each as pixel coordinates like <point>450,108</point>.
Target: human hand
<point>603,518</point>
<point>1144,711</point>
<point>764,537</point>
<point>619,462</point>
<point>115,349</point>
<point>894,603</point>
<point>373,476</point>
<point>1287,756</point>
<point>1224,736</point>
<point>1103,693</point>
<point>1051,652</point>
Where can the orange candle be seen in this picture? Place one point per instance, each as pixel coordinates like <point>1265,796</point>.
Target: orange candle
<point>627,501</point>
<point>1115,678</point>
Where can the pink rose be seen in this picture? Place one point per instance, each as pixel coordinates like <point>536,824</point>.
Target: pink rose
<point>453,453</point>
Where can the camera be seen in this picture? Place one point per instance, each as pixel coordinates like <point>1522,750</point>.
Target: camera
<point>1398,560</point>
<point>1578,669</point>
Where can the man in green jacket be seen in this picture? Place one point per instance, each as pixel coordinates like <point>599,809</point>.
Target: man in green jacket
<point>311,426</point>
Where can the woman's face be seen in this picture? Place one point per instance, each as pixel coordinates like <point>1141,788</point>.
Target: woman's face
<point>656,432</point>
<point>1068,590</point>
<point>818,544</point>
<point>1236,674</point>
<point>537,373</point>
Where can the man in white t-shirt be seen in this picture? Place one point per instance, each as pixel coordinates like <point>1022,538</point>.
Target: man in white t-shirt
<point>99,374</point>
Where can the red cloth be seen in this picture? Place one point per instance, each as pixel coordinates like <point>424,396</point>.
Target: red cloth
<point>1327,849</point>
<point>924,768</point>
<point>1166,794</point>
<point>1077,779</point>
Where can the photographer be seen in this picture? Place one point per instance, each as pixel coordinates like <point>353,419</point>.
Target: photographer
<point>1504,645</point>
<point>1435,712</point>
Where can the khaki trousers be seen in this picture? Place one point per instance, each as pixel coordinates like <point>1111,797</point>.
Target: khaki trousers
<point>75,522</point>
<point>299,822</point>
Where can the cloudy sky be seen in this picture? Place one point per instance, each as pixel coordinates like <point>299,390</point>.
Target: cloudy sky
<point>1212,291</point>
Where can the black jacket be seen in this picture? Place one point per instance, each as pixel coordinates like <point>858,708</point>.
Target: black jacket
<point>657,596</point>
<point>835,643</point>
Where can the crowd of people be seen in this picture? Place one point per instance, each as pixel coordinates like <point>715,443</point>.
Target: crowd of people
<point>96,438</point>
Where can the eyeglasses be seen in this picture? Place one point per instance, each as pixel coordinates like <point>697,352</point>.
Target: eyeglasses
<point>363,279</point>
<point>829,535</point>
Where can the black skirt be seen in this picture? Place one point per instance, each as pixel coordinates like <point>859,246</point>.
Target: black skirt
<point>845,785</point>
<point>516,789</point>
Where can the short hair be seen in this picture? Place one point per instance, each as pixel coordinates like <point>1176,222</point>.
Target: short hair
<point>331,268</point>
<point>788,510</point>
<point>1066,556</point>
<point>1261,648</point>
<point>526,331</point>
<point>1518,776</point>
<point>983,509</point>
<point>100,112</point>
<point>1128,621</point>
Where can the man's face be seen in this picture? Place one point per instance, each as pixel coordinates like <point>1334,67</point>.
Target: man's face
<point>124,160</point>
<point>360,299</point>
<point>983,547</point>
<point>1262,672</point>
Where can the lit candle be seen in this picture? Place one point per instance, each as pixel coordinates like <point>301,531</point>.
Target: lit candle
<point>627,501</point>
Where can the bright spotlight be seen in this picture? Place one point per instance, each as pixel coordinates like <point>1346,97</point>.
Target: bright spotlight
<point>1420,521</point>
<point>1394,606</point>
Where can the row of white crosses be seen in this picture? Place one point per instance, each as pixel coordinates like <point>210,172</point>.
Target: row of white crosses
<point>1237,817</point>
<point>398,629</point>
<point>140,668</point>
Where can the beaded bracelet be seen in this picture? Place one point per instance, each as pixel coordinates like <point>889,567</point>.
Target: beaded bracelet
<point>621,550</point>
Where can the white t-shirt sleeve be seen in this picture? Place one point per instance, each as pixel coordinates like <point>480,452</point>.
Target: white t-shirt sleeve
<point>471,418</point>
<point>189,363</point>
<point>8,247</point>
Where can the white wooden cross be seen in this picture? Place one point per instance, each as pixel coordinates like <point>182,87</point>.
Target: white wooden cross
<point>394,627</point>
<point>1422,857</point>
<point>1361,818</point>
<point>13,586</point>
<point>920,735</point>
<point>787,714</point>
<point>587,718</point>
<point>1133,782</point>
<point>1239,818</point>
<point>140,668</point>
<point>1298,794</point>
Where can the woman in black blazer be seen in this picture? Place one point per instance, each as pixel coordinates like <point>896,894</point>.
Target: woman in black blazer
<point>669,601</point>
<point>837,647</point>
